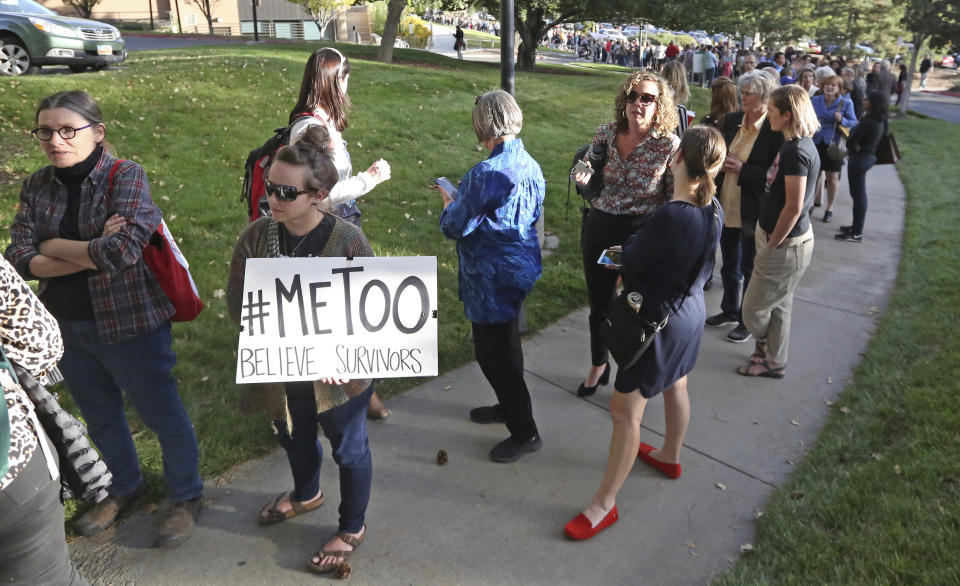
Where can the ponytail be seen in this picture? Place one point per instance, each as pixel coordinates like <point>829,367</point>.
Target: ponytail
<point>703,150</point>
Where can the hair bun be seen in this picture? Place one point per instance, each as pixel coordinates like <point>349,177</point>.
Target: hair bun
<point>316,137</point>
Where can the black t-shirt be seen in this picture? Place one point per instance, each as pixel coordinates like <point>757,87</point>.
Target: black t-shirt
<point>797,157</point>
<point>310,244</point>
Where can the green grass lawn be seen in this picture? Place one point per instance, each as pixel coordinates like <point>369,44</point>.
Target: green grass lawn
<point>877,499</point>
<point>190,117</point>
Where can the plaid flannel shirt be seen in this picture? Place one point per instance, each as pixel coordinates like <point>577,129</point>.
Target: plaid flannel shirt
<point>127,300</point>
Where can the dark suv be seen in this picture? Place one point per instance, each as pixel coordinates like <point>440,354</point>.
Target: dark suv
<point>32,36</point>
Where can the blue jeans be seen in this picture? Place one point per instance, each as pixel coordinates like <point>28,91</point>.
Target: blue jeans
<point>857,180</point>
<point>98,375</point>
<point>346,428</point>
<point>737,251</point>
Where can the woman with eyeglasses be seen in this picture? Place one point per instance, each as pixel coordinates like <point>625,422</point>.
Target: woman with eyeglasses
<point>323,95</point>
<point>636,181</point>
<point>80,229</point>
<point>301,177</point>
<point>493,218</point>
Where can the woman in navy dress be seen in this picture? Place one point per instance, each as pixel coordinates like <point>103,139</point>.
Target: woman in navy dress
<point>667,260</point>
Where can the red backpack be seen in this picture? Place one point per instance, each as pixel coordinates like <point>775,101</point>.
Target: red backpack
<point>258,161</point>
<point>169,267</point>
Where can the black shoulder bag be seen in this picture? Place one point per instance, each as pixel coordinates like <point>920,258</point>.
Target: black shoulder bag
<point>626,331</point>
<point>598,160</point>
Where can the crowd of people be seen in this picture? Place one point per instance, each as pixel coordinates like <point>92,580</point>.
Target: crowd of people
<point>84,220</point>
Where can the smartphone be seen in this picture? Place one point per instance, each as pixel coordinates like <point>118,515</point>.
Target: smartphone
<point>446,185</point>
<point>611,258</point>
<point>581,167</point>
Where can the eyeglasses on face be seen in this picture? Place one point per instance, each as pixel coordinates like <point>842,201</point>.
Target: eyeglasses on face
<point>66,133</point>
<point>283,192</point>
<point>633,96</point>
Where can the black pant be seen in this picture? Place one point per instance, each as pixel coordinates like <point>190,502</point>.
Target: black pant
<point>737,251</point>
<point>500,356</point>
<point>601,230</point>
<point>857,178</point>
<point>33,546</point>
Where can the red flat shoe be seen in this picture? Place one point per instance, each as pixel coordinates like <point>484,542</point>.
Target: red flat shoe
<point>581,528</point>
<point>668,470</point>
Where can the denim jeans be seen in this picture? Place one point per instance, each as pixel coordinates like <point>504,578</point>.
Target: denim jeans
<point>98,375</point>
<point>346,428</point>
<point>857,180</point>
<point>737,251</point>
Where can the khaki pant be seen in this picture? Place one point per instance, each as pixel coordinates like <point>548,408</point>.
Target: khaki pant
<point>768,302</point>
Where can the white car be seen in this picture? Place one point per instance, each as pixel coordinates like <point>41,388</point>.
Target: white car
<point>631,31</point>
<point>608,33</point>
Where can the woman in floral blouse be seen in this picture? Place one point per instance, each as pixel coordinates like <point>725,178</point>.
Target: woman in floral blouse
<point>639,144</point>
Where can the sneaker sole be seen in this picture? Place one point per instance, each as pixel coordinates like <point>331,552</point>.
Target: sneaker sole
<point>721,324</point>
<point>527,450</point>
<point>735,341</point>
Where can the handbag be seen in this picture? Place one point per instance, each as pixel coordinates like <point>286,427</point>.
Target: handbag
<point>837,150</point>
<point>627,332</point>
<point>887,151</point>
<point>169,267</point>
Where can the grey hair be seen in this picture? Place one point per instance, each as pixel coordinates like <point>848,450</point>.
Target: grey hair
<point>885,64</point>
<point>757,82</point>
<point>496,114</point>
<point>848,70</point>
<point>823,72</point>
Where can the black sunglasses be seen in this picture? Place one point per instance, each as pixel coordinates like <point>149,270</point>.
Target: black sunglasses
<point>283,192</point>
<point>644,98</point>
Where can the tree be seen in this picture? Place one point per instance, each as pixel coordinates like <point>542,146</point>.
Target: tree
<point>936,21</point>
<point>323,11</point>
<point>394,14</point>
<point>206,7</point>
<point>83,7</point>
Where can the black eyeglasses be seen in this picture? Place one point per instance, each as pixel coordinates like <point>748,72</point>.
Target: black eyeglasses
<point>644,98</point>
<point>66,133</point>
<point>283,192</point>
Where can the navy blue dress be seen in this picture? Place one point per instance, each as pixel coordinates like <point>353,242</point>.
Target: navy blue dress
<point>657,261</point>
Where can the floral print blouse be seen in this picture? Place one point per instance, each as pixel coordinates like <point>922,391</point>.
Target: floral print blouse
<point>640,183</point>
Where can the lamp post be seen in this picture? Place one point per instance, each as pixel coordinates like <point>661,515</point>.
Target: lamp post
<point>506,46</point>
<point>256,27</point>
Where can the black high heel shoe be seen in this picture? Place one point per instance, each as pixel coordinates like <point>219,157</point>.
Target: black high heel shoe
<point>585,391</point>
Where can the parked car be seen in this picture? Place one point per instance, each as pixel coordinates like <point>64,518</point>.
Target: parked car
<point>948,61</point>
<point>808,45</point>
<point>608,33</point>
<point>867,49</point>
<point>32,36</point>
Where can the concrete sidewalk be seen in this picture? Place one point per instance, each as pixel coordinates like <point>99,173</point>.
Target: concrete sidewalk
<point>476,522</point>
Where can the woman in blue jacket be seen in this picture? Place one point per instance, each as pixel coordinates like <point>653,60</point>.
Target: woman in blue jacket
<point>493,219</point>
<point>833,109</point>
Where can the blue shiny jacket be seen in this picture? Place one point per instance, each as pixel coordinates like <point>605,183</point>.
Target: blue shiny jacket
<point>494,221</point>
<point>827,116</point>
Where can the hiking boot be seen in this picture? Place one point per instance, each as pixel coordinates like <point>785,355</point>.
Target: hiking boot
<point>104,513</point>
<point>178,524</point>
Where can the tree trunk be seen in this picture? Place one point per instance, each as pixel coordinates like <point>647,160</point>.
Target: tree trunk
<point>918,40</point>
<point>530,30</point>
<point>394,13</point>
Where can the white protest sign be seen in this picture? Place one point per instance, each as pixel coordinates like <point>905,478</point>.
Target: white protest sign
<point>311,318</point>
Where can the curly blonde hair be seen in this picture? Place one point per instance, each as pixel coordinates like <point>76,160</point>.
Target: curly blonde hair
<point>665,121</point>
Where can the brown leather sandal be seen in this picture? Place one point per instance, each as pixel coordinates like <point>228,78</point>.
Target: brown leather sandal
<point>276,516</point>
<point>340,556</point>
<point>768,371</point>
<point>759,353</point>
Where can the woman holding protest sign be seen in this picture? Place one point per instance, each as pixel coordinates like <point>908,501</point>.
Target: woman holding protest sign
<point>302,176</point>
<point>81,228</point>
<point>493,219</point>
<point>323,95</point>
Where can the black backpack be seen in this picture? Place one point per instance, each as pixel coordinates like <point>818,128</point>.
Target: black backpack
<point>254,170</point>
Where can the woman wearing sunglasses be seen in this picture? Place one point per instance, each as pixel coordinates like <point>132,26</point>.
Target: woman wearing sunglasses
<point>300,179</point>
<point>636,181</point>
<point>81,235</point>
<point>323,95</point>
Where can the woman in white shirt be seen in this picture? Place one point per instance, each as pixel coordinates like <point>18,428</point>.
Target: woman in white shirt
<point>323,96</point>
